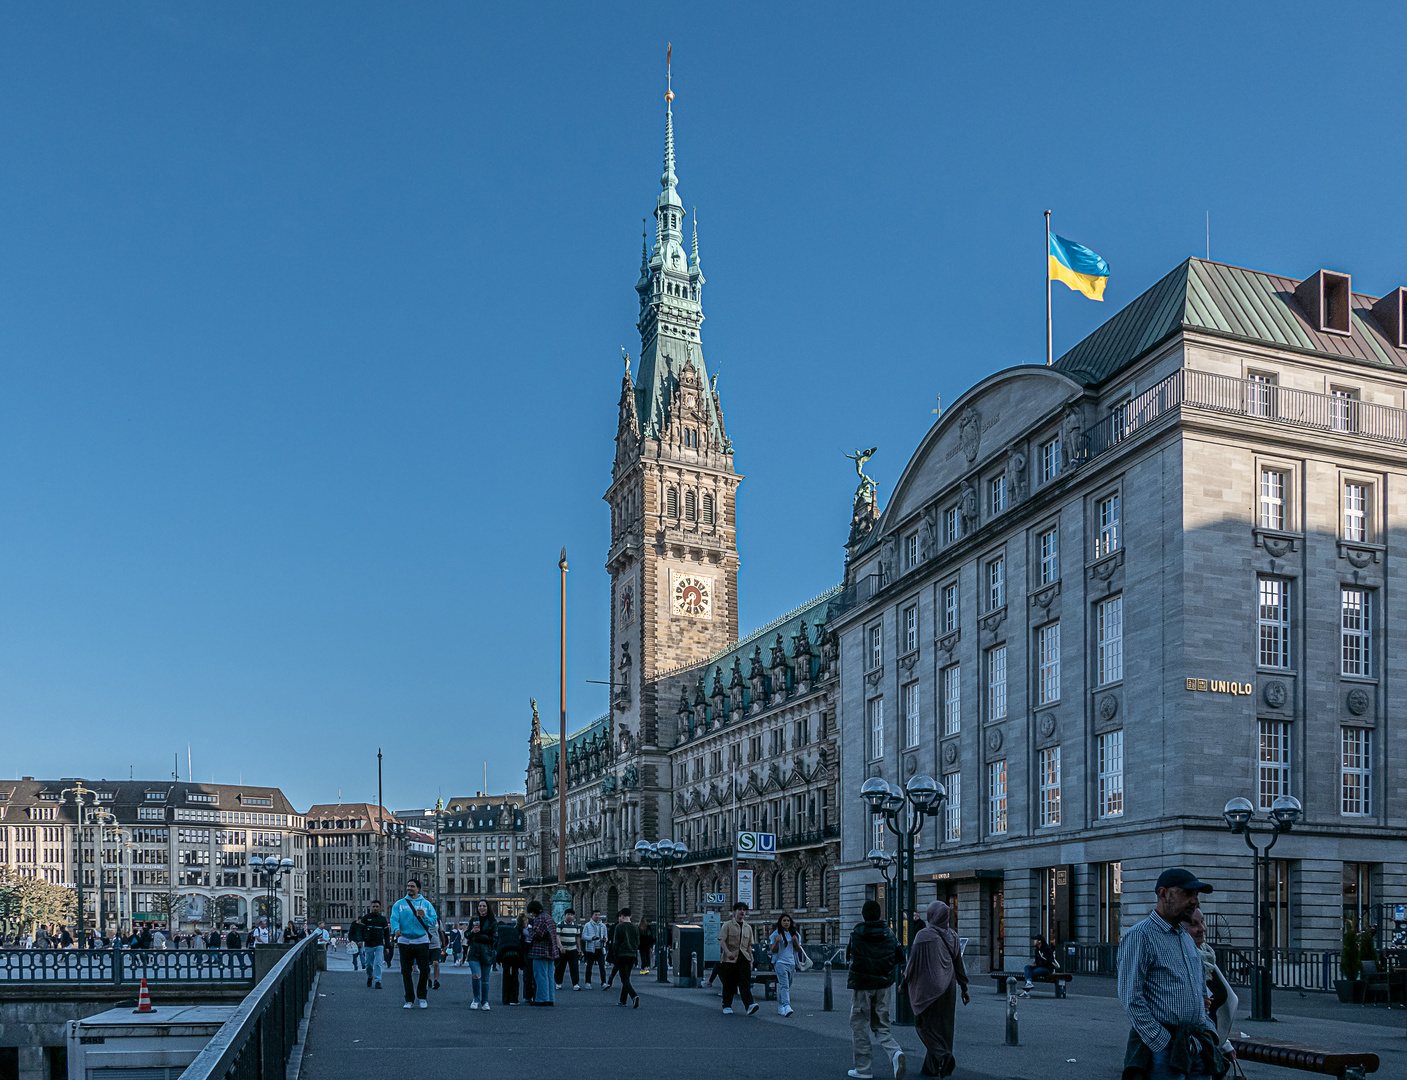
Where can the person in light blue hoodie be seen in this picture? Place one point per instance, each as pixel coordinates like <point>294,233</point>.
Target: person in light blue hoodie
<point>413,926</point>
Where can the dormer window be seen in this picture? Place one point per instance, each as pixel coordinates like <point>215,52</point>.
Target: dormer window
<point>691,438</point>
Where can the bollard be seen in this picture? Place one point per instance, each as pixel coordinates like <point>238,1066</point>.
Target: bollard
<point>1012,1039</point>
<point>662,963</point>
<point>695,970</point>
<point>828,1001</point>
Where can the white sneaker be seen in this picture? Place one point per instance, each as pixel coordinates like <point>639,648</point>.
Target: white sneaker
<point>901,1065</point>
<point>486,1006</point>
<point>408,1005</point>
<point>473,1004</point>
<point>858,1075</point>
<point>1029,986</point>
<point>576,987</point>
<point>752,1008</point>
<point>559,986</point>
<point>424,1004</point>
<point>727,1010</point>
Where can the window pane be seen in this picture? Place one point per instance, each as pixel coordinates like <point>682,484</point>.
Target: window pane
<point>996,682</point>
<point>911,724</point>
<point>1108,539</point>
<point>1357,654</point>
<point>1274,622</point>
<point>1111,774</point>
<point>1050,557</point>
<point>952,700</point>
<point>1355,512</point>
<point>1274,779</point>
<point>996,584</point>
<point>996,797</point>
<point>1272,499</point>
<point>950,609</point>
<point>876,707</point>
<point>1048,649</point>
<point>1050,786</point>
<point>952,808</point>
<point>1110,640</point>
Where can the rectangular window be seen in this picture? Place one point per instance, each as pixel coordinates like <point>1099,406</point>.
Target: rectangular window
<point>1355,512</point>
<point>876,651</point>
<point>952,524</point>
<point>952,808</point>
<point>996,682</point>
<point>876,710</point>
<point>1109,640</point>
<point>877,832</point>
<point>1274,622</point>
<point>996,797</point>
<point>1272,499</point>
<point>1048,652</point>
<point>1274,777</point>
<point>1259,389</point>
<point>911,628</point>
<point>1119,421</point>
<point>952,700</point>
<point>1356,633</point>
<point>1108,538</point>
<point>1050,556</point>
<point>1111,774</point>
<point>1050,460</point>
<point>998,493</point>
<point>1356,776</point>
<point>911,715</point>
<point>1050,786</point>
<point>1343,410</point>
<point>996,584</point>
<point>950,608</point>
<point>910,551</point>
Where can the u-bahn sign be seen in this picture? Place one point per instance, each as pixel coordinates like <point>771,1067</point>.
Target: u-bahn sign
<point>757,845</point>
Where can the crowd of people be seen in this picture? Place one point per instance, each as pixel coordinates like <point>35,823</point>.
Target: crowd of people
<point>59,936</point>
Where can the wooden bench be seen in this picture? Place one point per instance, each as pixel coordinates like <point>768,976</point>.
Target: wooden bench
<point>1056,978</point>
<point>1346,1064</point>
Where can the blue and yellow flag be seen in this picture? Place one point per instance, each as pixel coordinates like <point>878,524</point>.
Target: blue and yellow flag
<point>1077,267</point>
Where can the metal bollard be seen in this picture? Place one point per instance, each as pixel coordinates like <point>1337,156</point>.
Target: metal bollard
<point>828,1001</point>
<point>695,969</point>
<point>1012,1039</point>
<point>662,963</point>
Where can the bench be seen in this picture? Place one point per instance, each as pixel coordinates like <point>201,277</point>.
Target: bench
<point>1346,1064</point>
<point>768,979</point>
<point>1058,979</point>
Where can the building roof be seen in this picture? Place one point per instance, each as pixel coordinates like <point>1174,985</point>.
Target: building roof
<point>1226,301</point>
<point>813,612</point>
<point>123,797</point>
<point>360,811</point>
<point>582,739</point>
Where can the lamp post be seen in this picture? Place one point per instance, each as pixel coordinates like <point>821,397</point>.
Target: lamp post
<point>883,861</point>
<point>78,792</point>
<point>105,819</point>
<point>660,857</point>
<point>273,869</point>
<point>1239,814</point>
<point>905,810</point>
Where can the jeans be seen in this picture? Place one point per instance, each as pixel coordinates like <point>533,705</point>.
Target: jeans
<point>542,980</point>
<point>1161,1070</point>
<point>785,973</point>
<point>869,1015</point>
<point>480,988</point>
<point>623,967</point>
<point>1032,969</point>
<point>564,961</point>
<point>356,956</point>
<point>416,954</point>
<point>372,956</point>
<point>737,978</point>
<point>599,959</point>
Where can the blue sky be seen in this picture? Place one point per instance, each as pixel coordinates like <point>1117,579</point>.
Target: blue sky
<point>311,316</point>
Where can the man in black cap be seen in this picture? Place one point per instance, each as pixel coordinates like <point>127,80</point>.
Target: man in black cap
<point>1162,988</point>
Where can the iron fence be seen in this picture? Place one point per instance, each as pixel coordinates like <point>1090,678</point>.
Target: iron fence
<point>127,965</point>
<point>1290,969</point>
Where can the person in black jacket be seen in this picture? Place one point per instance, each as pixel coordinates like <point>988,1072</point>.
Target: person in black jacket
<point>232,940</point>
<point>483,944</point>
<point>873,954</point>
<point>375,930</point>
<point>1042,962</point>
<point>509,955</point>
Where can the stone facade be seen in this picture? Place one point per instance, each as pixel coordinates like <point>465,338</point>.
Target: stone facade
<point>482,844</point>
<point>350,865</point>
<point>1156,553</point>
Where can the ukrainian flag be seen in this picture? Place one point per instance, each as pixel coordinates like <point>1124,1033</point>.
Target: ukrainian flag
<point>1077,267</point>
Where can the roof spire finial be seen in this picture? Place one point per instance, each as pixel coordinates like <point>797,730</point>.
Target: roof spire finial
<point>668,180</point>
<point>694,220</point>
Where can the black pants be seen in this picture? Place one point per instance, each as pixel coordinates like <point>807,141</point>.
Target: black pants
<point>416,954</point>
<point>509,965</point>
<point>737,979</point>
<point>569,959</point>
<point>623,967</point>
<point>598,959</point>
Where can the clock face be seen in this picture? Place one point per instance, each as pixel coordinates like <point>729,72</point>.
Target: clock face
<point>692,595</point>
<point>627,602</point>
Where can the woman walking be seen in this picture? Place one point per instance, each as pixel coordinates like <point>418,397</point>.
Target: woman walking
<point>483,944</point>
<point>784,944</point>
<point>931,978</point>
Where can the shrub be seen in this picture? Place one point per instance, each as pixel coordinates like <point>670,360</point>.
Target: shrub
<point>1367,950</point>
<point>1349,959</point>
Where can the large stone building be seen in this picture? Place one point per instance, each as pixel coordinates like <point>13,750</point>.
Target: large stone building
<point>171,854</point>
<point>1109,595</point>
<point>482,854</point>
<point>356,855</point>
<point>704,732</point>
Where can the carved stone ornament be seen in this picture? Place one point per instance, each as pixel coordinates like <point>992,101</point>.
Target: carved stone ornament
<point>911,765</point>
<point>994,739</point>
<point>872,677</point>
<point>1275,693</point>
<point>1358,701</point>
<point>950,753</point>
<point>1358,557</point>
<point>948,641</point>
<point>1105,570</point>
<point>1046,725</point>
<point>970,433</point>
<point>1042,598</point>
<point>994,620</point>
<point>908,662</point>
<point>1108,707</point>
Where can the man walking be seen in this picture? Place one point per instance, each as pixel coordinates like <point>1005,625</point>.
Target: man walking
<point>413,927</point>
<point>735,942</point>
<point>1163,989</point>
<point>625,948</point>
<point>593,943</point>
<point>873,955</point>
<point>543,949</point>
<point>569,934</point>
<point>375,928</point>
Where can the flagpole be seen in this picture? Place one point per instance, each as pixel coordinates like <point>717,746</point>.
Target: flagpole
<point>1049,357</point>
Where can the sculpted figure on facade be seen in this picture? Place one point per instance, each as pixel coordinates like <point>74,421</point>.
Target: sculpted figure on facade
<point>1016,475</point>
<point>969,508</point>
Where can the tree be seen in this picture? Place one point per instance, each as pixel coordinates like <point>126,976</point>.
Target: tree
<point>25,902</point>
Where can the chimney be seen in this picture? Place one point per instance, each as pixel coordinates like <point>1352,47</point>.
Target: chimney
<point>1325,297</point>
<point>1391,312</point>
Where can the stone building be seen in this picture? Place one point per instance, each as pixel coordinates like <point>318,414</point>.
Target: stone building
<point>482,845</point>
<point>356,855</point>
<point>704,732</point>
<point>1109,595</point>
<point>171,854</point>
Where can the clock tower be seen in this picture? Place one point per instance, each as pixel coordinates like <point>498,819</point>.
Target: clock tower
<point>673,558</point>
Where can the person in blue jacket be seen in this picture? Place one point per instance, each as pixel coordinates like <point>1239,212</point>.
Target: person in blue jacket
<point>413,927</point>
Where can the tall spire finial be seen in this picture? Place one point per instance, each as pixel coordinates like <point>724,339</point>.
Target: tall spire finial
<point>668,74</point>
<point>668,180</point>
<point>694,220</point>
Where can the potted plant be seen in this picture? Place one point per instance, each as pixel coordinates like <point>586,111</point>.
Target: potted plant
<point>1351,964</point>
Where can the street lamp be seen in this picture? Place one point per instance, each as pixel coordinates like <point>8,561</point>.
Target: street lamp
<point>905,811</point>
<point>883,861</point>
<point>78,792</point>
<point>273,869</point>
<point>1239,814</point>
<point>105,820</point>
<point>660,857</point>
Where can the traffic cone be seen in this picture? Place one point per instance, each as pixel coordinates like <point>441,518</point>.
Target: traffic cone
<point>144,999</point>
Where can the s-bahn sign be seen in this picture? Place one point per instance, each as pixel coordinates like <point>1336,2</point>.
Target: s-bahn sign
<point>757,845</point>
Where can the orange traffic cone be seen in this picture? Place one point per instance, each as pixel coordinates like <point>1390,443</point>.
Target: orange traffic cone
<point>144,999</point>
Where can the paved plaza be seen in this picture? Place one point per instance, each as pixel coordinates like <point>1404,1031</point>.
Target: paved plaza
<point>360,1034</point>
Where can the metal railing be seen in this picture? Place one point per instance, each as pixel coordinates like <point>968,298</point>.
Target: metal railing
<point>1290,969</point>
<point>118,965</point>
<point>1100,958</point>
<point>255,1043</point>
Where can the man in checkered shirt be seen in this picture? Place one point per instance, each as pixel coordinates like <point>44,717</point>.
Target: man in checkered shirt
<point>1161,984</point>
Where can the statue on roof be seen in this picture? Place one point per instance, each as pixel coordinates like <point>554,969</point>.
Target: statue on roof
<point>865,512</point>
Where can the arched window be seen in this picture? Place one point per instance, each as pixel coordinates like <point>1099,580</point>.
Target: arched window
<point>671,503</point>
<point>707,509</point>
<point>778,900</point>
<point>801,888</point>
<point>690,511</point>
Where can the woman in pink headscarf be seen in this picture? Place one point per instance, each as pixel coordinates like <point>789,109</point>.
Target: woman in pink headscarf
<point>933,973</point>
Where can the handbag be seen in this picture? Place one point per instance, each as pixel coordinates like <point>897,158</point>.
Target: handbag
<point>803,962</point>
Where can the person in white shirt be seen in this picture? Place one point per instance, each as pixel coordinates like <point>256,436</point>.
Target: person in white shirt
<point>324,935</point>
<point>261,933</point>
<point>593,944</point>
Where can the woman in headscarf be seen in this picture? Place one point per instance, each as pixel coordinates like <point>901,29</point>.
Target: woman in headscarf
<point>931,978</point>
